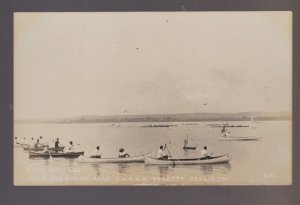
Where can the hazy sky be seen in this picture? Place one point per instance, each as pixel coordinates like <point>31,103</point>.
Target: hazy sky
<point>71,64</point>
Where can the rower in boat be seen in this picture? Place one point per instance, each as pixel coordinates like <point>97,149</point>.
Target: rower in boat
<point>96,153</point>
<point>123,154</point>
<point>227,134</point>
<point>204,154</point>
<point>161,154</point>
<point>24,141</point>
<point>71,147</point>
<point>223,129</point>
<point>37,144</point>
<point>57,144</point>
<point>32,144</point>
<point>42,141</point>
<point>46,149</point>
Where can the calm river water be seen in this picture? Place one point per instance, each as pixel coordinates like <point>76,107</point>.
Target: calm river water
<point>263,162</point>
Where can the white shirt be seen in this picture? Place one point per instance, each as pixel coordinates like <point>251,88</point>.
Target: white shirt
<point>71,148</point>
<point>96,153</point>
<point>160,153</point>
<point>32,143</point>
<point>122,154</point>
<point>203,153</point>
<point>227,134</point>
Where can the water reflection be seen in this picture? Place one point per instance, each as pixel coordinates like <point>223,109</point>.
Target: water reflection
<point>163,170</point>
<point>218,168</point>
<point>123,168</point>
<point>96,167</point>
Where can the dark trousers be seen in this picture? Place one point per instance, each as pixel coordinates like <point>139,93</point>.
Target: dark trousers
<point>164,157</point>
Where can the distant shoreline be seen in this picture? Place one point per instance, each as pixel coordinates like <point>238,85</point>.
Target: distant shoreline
<point>182,117</point>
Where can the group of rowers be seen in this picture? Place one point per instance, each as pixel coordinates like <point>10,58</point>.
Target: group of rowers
<point>96,153</point>
<point>162,155</point>
<point>38,143</point>
<point>71,147</point>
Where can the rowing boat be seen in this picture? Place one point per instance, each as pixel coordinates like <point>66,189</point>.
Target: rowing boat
<point>22,145</point>
<point>186,141</point>
<point>250,138</point>
<point>46,154</point>
<point>37,149</point>
<point>185,147</point>
<point>212,160</point>
<point>140,158</point>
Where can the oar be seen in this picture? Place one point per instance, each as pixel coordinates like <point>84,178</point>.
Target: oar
<point>49,154</point>
<point>171,156</point>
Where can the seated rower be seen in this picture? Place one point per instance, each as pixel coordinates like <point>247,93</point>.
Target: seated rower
<point>37,144</point>
<point>227,134</point>
<point>16,140</point>
<point>96,153</point>
<point>32,143</point>
<point>123,154</point>
<point>204,154</point>
<point>161,154</point>
<point>46,149</point>
<point>71,147</point>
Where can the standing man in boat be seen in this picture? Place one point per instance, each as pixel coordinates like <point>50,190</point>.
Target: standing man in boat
<point>57,144</point>
<point>204,154</point>
<point>96,153</point>
<point>223,129</point>
<point>161,154</point>
<point>123,154</point>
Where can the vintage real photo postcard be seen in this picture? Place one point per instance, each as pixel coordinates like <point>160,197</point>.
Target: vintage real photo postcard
<point>153,98</point>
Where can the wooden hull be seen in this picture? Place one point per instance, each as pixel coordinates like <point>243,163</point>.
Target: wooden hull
<point>214,160</point>
<point>140,158</point>
<point>37,149</point>
<point>55,154</point>
<point>22,145</point>
<point>187,148</point>
<point>239,138</point>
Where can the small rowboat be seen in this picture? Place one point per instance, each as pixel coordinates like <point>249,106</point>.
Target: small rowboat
<point>46,154</point>
<point>184,147</point>
<point>22,145</point>
<point>37,149</point>
<point>140,158</point>
<point>211,160</point>
<point>251,138</point>
<point>186,141</point>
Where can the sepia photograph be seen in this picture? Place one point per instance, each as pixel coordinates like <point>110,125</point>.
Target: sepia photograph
<point>152,98</point>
